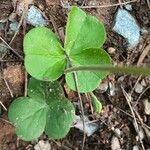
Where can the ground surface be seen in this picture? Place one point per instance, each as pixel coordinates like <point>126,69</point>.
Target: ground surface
<point>117,129</point>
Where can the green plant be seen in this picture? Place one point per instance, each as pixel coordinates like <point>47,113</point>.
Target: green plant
<point>46,108</point>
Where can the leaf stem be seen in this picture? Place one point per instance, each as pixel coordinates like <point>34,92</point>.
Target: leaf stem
<point>117,70</point>
<point>80,99</point>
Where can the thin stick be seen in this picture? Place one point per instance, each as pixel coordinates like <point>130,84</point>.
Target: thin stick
<point>101,6</point>
<point>80,100</point>
<point>11,48</point>
<point>81,105</point>
<point>139,78</point>
<point>18,27</point>
<point>141,96</point>
<point>148,3</point>
<point>119,70</point>
<point>26,83</point>
<point>143,55</point>
<point>128,98</point>
<point>3,105</point>
<point>145,125</point>
<point>11,93</point>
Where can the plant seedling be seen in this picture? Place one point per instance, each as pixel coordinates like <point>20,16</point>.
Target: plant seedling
<point>46,108</point>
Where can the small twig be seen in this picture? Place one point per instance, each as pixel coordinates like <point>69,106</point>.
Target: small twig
<point>141,96</point>
<point>3,106</point>
<point>11,93</point>
<point>143,55</point>
<point>20,23</point>
<point>6,121</point>
<point>11,48</point>
<point>145,125</point>
<point>26,84</point>
<point>128,98</point>
<point>81,105</point>
<point>139,78</point>
<point>148,3</point>
<point>80,100</point>
<point>100,6</point>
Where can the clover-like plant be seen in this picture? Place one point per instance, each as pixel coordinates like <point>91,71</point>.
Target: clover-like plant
<point>46,108</point>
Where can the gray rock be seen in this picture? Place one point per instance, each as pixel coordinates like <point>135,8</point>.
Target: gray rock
<point>14,26</point>
<point>2,26</point>
<point>35,17</point>
<point>126,25</point>
<point>128,7</point>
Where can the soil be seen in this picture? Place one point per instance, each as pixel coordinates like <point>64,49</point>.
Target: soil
<point>116,118</point>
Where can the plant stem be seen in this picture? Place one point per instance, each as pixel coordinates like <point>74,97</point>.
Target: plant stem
<point>117,70</point>
<point>79,95</point>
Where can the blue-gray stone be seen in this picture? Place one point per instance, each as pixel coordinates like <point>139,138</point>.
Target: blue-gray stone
<point>35,18</point>
<point>14,26</point>
<point>128,7</point>
<point>126,25</point>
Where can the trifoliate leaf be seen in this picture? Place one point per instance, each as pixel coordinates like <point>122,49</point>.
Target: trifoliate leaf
<point>88,80</point>
<point>46,108</point>
<point>29,116</point>
<point>44,56</point>
<point>83,32</point>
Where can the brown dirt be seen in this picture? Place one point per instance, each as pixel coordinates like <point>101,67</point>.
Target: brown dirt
<point>116,113</point>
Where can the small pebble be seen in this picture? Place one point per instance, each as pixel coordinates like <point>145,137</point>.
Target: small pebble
<point>135,147</point>
<point>139,88</point>
<point>42,145</point>
<point>12,17</point>
<point>111,50</point>
<point>128,7</point>
<point>143,83</point>
<point>14,26</point>
<point>103,86</point>
<point>146,104</point>
<point>35,17</point>
<point>115,144</point>
<point>2,26</point>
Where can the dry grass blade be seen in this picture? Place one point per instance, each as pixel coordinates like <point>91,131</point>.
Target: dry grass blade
<point>8,46</point>
<point>3,106</point>
<point>99,6</point>
<point>128,98</point>
<point>143,55</point>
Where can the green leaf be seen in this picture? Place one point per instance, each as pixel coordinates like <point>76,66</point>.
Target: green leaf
<point>83,32</point>
<point>59,118</point>
<point>44,56</point>
<point>96,103</point>
<point>46,109</point>
<point>88,80</point>
<point>29,116</point>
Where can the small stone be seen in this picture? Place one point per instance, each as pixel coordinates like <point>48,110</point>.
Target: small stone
<point>90,127</point>
<point>146,104</point>
<point>103,86</point>
<point>143,83</point>
<point>2,26</point>
<point>111,50</point>
<point>139,88</point>
<point>128,7</point>
<point>135,147</point>
<point>14,26</point>
<point>126,25</point>
<point>42,145</point>
<point>12,17</point>
<point>115,144</point>
<point>35,17</point>
<point>117,132</point>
